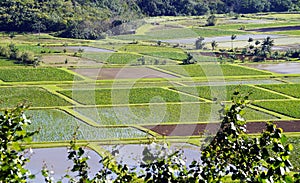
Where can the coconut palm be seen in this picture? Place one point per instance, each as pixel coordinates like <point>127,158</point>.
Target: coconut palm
<point>214,45</point>
<point>233,37</point>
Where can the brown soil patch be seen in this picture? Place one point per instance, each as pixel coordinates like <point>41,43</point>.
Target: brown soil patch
<point>122,73</point>
<point>59,60</point>
<point>275,29</point>
<point>196,129</point>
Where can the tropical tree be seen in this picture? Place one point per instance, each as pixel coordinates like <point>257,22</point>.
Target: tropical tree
<point>250,40</point>
<point>233,37</point>
<point>211,20</point>
<point>200,43</point>
<point>266,47</point>
<point>214,45</point>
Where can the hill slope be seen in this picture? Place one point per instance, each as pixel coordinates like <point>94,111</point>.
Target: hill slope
<point>88,19</point>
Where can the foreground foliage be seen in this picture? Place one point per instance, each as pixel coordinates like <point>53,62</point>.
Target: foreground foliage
<point>229,155</point>
<point>12,151</point>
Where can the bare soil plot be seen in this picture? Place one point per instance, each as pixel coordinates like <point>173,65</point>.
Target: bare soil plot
<point>275,29</point>
<point>60,60</point>
<point>122,73</point>
<point>197,129</point>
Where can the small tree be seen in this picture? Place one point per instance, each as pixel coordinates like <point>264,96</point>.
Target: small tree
<point>188,60</point>
<point>200,43</point>
<point>233,37</point>
<point>142,60</point>
<point>12,35</point>
<point>214,45</point>
<point>39,26</point>
<point>27,57</point>
<point>266,46</point>
<point>250,40</point>
<point>211,20</point>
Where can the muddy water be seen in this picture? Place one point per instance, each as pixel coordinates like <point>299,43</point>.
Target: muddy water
<point>282,68</point>
<point>130,154</point>
<point>56,161</point>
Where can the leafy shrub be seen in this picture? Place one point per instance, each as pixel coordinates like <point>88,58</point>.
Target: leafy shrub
<point>211,21</point>
<point>13,137</point>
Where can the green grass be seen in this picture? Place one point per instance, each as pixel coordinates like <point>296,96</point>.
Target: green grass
<point>149,49</point>
<point>180,33</point>
<point>169,55</point>
<point>207,70</point>
<point>294,157</point>
<point>34,48</point>
<point>237,81</point>
<point>226,92</point>
<point>126,96</point>
<point>290,33</point>
<point>56,125</point>
<point>35,74</point>
<point>162,113</point>
<point>36,97</point>
<point>175,33</point>
<point>6,62</point>
<point>113,58</point>
<point>285,16</point>
<point>136,84</point>
<point>288,89</point>
<point>289,108</point>
<point>254,26</point>
<point>208,32</point>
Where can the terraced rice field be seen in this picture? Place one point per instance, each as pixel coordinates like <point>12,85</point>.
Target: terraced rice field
<point>127,96</point>
<point>119,99</point>
<point>33,96</point>
<point>56,125</point>
<point>211,92</point>
<point>35,74</point>
<point>204,70</point>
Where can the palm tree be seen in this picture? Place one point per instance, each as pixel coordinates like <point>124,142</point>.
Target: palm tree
<point>233,37</point>
<point>214,44</point>
<point>250,40</point>
<point>267,45</point>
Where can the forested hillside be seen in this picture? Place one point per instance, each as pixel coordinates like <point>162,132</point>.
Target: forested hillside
<point>88,19</point>
<point>200,7</point>
<point>73,18</point>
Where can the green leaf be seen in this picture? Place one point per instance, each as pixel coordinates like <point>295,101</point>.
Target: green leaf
<point>283,139</point>
<point>289,147</point>
<point>288,179</point>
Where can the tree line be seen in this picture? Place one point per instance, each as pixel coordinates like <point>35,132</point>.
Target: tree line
<point>91,18</point>
<point>201,7</point>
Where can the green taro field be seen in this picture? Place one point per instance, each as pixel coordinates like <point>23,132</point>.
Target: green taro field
<point>156,89</point>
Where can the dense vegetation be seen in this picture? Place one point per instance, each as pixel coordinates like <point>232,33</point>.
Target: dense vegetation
<point>230,155</point>
<point>94,19</point>
<point>74,18</point>
<point>200,7</point>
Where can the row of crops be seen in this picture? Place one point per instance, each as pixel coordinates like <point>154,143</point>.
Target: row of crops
<point>147,105</point>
